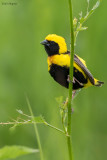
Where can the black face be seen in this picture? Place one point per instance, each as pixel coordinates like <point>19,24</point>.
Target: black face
<point>51,47</point>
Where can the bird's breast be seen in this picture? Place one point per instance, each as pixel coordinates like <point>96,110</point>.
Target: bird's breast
<point>60,60</point>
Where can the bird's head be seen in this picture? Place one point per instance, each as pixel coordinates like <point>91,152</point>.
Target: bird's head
<point>54,44</point>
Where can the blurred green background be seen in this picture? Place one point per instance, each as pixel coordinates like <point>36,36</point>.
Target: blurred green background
<point>23,69</point>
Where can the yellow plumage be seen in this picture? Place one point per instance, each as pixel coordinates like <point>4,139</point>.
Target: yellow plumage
<point>64,60</point>
<point>59,62</point>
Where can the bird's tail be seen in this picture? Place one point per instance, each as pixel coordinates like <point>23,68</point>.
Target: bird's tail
<point>98,83</point>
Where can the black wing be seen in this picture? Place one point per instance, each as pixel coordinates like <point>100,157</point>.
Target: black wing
<point>86,71</point>
<point>81,65</point>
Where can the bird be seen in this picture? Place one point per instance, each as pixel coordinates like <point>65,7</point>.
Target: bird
<point>59,64</point>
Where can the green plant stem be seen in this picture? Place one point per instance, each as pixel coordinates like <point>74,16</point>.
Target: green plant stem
<point>69,141</point>
<point>63,124</point>
<point>35,128</point>
<point>54,127</point>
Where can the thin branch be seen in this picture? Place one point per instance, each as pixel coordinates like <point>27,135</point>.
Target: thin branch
<point>55,128</point>
<point>32,122</point>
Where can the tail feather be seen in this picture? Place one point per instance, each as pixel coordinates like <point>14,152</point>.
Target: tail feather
<point>99,83</point>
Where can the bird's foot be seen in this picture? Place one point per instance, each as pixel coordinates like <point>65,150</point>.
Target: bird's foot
<point>68,79</point>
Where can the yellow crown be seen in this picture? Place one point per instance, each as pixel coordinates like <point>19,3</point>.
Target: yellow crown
<point>59,40</point>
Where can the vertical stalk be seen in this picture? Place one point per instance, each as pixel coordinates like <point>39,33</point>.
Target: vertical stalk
<point>69,140</point>
<point>36,130</point>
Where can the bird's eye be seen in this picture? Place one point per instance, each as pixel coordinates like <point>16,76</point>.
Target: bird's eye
<point>48,43</point>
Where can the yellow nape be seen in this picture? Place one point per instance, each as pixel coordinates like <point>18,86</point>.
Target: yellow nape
<point>59,40</point>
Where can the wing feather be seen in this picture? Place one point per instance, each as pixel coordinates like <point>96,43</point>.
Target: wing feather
<point>84,68</point>
<point>81,63</point>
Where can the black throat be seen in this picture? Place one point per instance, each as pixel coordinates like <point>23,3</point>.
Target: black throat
<point>52,48</point>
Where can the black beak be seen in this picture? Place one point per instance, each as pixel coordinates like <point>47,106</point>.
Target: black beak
<point>45,42</point>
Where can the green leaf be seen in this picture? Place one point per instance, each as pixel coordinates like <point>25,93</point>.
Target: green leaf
<point>96,5</point>
<point>83,19</point>
<point>11,152</point>
<point>80,14</point>
<point>19,111</point>
<point>82,28</point>
<point>39,119</point>
<point>59,100</point>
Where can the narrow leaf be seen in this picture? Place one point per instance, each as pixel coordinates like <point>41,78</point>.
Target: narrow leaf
<point>19,111</point>
<point>11,152</point>
<point>39,119</point>
<point>96,5</point>
<point>82,28</point>
<point>83,19</point>
<point>80,14</point>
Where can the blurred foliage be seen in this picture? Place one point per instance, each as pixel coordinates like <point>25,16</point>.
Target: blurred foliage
<point>23,68</point>
<point>12,152</point>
